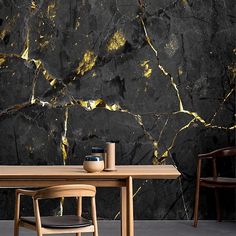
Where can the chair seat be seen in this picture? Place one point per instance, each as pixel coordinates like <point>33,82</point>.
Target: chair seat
<point>224,181</point>
<point>62,222</point>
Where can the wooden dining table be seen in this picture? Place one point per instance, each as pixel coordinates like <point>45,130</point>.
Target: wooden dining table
<point>43,176</point>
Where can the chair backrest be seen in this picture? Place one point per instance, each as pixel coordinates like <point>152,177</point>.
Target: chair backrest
<point>223,152</point>
<point>72,190</point>
<point>214,155</point>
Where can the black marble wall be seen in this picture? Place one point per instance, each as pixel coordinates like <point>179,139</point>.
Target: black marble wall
<point>158,76</point>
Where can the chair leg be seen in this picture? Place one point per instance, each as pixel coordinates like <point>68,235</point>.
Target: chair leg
<point>37,216</point>
<point>196,207</point>
<point>217,205</point>
<point>79,210</point>
<point>94,217</point>
<point>17,215</point>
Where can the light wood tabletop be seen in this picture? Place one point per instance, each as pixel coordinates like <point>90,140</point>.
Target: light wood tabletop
<point>124,171</point>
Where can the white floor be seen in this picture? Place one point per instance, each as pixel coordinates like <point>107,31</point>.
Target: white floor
<point>149,228</point>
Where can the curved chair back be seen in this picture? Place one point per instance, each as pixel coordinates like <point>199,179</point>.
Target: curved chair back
<point>72,190</point>
<point>223,152</point>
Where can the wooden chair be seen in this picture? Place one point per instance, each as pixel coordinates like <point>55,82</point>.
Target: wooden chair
<point>57,224</point>
<point>215,182</point>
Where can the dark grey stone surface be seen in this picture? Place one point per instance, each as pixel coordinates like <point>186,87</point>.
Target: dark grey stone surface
<point>157,76</point>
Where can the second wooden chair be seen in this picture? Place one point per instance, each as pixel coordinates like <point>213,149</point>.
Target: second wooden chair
<point>214,181</point>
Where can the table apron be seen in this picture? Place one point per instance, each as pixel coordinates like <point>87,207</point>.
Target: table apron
<point>15,183</point>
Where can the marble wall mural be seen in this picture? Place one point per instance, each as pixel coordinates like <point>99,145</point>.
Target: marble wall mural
<point>157,76</point>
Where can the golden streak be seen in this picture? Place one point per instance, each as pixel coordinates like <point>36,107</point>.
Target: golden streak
<point>221,105</point>
<point>50,78</point>
<point>160,66</point>
<point>155,152</point>
<point>37,63</point>
<point>147,37</point>
<point>2,60</point>
<point>77,24</point>
<point>2,34</point>
<point>33,6</point>
<point>181,108</point>
<point>64,141</point>
<point>51,12</point>
<point>166,153</point>
<point>116,41</point>
<point>139,119</point>
<point>114,107</point>
<point>147,70</point>
<point>87,63</point>
<point>64,148</point>
<point>90,104</point>
<point>25,53</point>
<point>155,160</point>
<point>232,70</point>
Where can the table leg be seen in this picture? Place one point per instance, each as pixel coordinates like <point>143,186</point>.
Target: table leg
<point>130,210</point>
<point>123,196</point>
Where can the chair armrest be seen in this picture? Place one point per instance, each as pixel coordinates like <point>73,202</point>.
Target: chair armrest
<point>205,156</point>
<point>25,192</point>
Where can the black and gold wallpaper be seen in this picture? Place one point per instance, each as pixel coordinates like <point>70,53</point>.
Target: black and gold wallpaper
<point>157,76</point>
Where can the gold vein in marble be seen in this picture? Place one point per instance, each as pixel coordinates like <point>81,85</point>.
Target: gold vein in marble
<point>196,117</point>
<point>156,160</point>
<point>147,69</point>
<point>160,66</point>
<point>50,78</point>
<point>33,5</point>
<point>232,70</point>
<point>25,53</point>
<point>2,60</point>
<point>155,152</point>
<point>38,63</point>
<point>3,33</point>
<point>77,23</point>
<point>222,103</point>
<point>90,105</point>
<point>64,141</point>
<point>113,107</point>
<point>116,41</point>
<point>166,153</point>
<point>87,63</point>
<point>51,10</point>
<point>64,148</point>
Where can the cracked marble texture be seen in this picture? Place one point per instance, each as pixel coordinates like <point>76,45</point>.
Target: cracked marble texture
<point>157,76</point>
